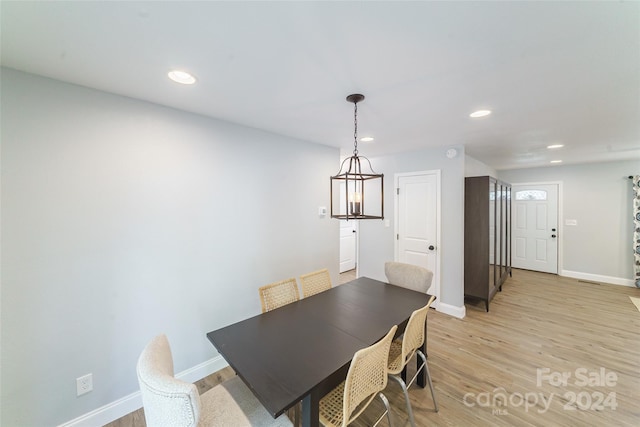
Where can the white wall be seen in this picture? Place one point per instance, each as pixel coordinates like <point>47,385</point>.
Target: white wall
<point>474,167</point>
<point>377,242</point>
<point>599,197</point>
<point>123,219</point>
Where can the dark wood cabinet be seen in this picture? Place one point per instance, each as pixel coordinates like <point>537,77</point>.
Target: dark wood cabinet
<point>487,236</point>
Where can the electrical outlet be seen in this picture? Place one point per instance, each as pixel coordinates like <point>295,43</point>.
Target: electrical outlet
<point>84,384</point>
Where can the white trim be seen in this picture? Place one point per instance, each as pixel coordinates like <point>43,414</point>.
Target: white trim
<point>598,278</point>
<point>396,184</point>
<point>123,406</point>
<point>451,310</point>
<point>357,228</point>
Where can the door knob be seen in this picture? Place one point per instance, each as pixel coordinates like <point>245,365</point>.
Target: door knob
<point>553,229</point>
<point>553,235</point>
<point>353,231</point>
<point>431,247</point>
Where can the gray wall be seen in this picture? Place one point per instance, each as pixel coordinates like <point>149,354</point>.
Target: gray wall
<point>599,197</point>
<point>123,219</point>
<point>377,241</point>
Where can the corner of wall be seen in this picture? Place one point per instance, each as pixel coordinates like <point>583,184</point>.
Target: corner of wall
<point>452,310</point>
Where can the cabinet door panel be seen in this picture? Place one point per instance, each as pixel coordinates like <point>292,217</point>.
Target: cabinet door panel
<point>492,233</point>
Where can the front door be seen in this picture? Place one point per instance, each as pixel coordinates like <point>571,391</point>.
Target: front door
<point>535,227</point>
<point>417,221</point>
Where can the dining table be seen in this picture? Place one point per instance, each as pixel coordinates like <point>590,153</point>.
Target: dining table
<point>301,351</point>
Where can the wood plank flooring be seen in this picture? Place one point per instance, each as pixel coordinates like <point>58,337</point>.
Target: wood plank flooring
<point>505,367</point>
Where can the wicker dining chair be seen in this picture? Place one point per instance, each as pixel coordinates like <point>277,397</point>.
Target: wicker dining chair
<point>408,276</point>
<point>315,282</point>
<point>366,379</point>
<point>278,294</point>
<point>402,351</point>
<point>169,401</point>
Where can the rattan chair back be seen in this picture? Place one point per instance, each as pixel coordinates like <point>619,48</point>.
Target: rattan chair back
<point>278,294</point>
<point>402,351</point>
<point>367,376</point>
<point>412,339</point>
<point>315,282</point>
<point>366,379</point>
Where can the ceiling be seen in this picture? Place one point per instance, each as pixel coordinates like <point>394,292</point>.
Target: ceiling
<point>551,72</point>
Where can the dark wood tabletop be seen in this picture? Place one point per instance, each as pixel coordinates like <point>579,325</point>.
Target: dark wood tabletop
<point>302,350</point>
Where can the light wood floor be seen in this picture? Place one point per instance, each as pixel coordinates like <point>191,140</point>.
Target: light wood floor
<point>347,276</point>
<point>538,322</point>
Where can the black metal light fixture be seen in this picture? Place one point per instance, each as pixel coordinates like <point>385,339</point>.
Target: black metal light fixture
<point>356,194</point>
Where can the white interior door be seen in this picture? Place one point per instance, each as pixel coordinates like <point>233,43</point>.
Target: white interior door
<point>348,238</point>
<point>534,243</point>
<point>348,230</point>
<point>417,226</point>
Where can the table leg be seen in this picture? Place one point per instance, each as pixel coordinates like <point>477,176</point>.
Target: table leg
<point>310,410</point>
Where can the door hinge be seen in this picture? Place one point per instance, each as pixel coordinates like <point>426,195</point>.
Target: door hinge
<point>397,237</point>
<point>398,191</point>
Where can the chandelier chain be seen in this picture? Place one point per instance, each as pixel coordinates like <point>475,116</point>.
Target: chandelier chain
<point>355,129</point>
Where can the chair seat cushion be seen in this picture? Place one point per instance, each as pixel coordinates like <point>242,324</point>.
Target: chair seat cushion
<point>231,404</point>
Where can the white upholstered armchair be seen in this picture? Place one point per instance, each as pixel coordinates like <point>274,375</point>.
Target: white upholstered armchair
<point>171,402</point>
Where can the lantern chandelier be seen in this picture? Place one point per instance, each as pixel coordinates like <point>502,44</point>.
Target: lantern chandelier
<point>356,194</point>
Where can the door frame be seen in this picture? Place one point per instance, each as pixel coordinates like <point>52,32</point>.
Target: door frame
<point>560,216</point>
<point>396,185</point>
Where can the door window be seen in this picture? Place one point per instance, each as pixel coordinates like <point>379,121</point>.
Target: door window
<point>531,195</point>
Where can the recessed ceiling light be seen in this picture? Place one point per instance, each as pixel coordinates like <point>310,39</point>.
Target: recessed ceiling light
<point>556,161</point>
<point>480,113</point>
<point>551,147</point>
<point>366,139</point>
<point>181,77</point>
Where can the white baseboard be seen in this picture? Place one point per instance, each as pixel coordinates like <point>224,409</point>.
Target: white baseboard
<point>451,310</point>
<point>598,278</point>
<point>202,370</point>
<point>126,405</point>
